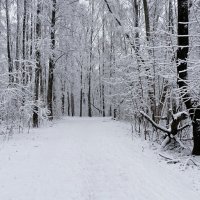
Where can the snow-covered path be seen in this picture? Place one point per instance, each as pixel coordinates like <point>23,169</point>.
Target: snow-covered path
<point>86,159</point>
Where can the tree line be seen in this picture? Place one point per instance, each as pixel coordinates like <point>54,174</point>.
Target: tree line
<point>129,59</point>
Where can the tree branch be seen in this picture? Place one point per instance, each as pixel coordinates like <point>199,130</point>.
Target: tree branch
<point>154,123</point>
<point>183,127</point>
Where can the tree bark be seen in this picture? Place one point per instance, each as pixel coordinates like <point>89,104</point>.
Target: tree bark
<point>72,105</point>
<point>146,16</point>
<point>10,64</point>
<point>182,55</point>
<point>81,92</point>
<point>52,61</point>
<point>103,63</point>
<point>24,43</point>
<point>38,67</point>
<point>17,43</point>
<point>90,63</point>
<point>68,104</point>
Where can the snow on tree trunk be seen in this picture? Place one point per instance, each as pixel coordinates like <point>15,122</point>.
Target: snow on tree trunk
<point>182,55</point>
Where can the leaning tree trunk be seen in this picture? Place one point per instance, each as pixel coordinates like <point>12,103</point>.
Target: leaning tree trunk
<point>182,55</point>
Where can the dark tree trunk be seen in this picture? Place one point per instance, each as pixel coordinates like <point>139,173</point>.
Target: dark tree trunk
<point>68,104</point>
<point>63,99</point>
<point>115,113</point>
<point>103,65</point>
<point>31,46</point>
<point>24,43</point>
<point>51,62</point>
<point>196,135</point>
<point>72,104</point>
<point>63,103</point>
<point>99,74</point>
<point>136,22</point>
<point>182,55</point>
<point>10,65</point>
<point>81,102</point>
<point>17,43</point>
<point>90,64</point>
<point>89,97</point>
<point>146,15</point>
<point>81,93</point>
<point>38,68</point>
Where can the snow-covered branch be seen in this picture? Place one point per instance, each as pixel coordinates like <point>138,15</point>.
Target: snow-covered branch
<point>154,123</point>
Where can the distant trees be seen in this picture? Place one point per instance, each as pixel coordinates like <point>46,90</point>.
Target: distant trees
<point>100,58</point>
<point>159,92</point>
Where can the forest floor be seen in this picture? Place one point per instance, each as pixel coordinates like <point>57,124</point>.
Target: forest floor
<point>90,159</point>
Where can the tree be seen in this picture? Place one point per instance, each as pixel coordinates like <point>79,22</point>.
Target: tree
<point>38,67</point>
<point>10,64</point>
<point>52,61</point>
<point>182,56</point>
<point>18,41</point>
<point>24,29</point>
<point>90,61</point>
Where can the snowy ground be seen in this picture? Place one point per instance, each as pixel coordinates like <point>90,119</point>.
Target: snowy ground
<point>89,159</point>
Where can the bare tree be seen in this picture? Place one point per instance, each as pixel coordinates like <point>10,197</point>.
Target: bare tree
<point>38,67</point>
<point>52,60</point>
<point>10,64</point>
<point>182,56</point>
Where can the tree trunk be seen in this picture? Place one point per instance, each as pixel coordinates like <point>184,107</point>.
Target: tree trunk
<point>72,105</point>
<point>90,63</point>
<point>146,16</point>
<point>68,104</point>
<point>24,43</point>
<point>196,135</point>
<point>81,92</point>
<point>38,68</point>
<point>17,43</point>
<point>52,62</point>
<point>182,55</point>
<point>171,17</point>
<point>63,98</point>
<point>136,22</point>
<point>10,64</point>
<point>103,64</point>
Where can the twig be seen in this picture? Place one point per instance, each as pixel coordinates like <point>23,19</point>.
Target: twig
<point>165,157</point>
<point>187,163</point>
<point>181,144</point>
<point>173,161</point>
<point>181,128</point>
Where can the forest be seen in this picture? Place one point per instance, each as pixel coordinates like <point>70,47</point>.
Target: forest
<point>132,60</point>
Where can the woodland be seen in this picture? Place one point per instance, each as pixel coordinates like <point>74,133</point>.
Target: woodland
<point>133,60</point>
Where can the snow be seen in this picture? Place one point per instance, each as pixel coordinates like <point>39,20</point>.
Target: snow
<point>89,159</point>
<point>177,115</point>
